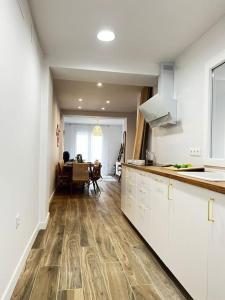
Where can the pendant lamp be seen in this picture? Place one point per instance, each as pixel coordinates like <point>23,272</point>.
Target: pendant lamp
<point>97,130</point>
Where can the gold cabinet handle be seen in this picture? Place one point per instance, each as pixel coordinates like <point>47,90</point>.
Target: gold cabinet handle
<point>210,210</point>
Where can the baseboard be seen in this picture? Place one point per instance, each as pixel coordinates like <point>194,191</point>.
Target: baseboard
<point>19,268</point>
<point>51,197</point>
<point>43,225</point>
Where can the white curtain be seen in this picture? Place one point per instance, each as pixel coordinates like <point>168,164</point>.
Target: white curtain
<point>79,139</point>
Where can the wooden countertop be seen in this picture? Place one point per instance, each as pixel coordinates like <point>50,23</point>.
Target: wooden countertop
<point>218,187</point>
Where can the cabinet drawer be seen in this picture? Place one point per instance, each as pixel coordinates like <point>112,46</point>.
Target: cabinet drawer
<point>131,173</point>
<point>143,198</point>
<point>142,219</point>
<point>131,189</point>
<point>160,187</point>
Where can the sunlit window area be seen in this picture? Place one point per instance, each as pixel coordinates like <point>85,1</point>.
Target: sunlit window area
<point>82,144</point>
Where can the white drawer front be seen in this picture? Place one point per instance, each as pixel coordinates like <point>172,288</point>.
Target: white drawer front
<point>143,198</point>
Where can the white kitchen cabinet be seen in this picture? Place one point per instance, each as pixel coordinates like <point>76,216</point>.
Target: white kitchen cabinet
<point>159,221</point>
<point>129,194</point>
<point>216,247</point>
<point>184,224</point>
<point>188,226</point>
<point>143,200</point>
<point>123,188</point>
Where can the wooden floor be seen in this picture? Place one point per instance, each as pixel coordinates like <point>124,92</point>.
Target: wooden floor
<point>90,251</point>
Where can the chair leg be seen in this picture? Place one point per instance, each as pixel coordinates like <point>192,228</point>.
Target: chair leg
<point>94,186</point>
<point>71,189</point>
<point>97,185</point>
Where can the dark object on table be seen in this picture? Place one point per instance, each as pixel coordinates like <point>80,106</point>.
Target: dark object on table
<point>79,158</point>
<point>149,162</point>
<point>66,156</point>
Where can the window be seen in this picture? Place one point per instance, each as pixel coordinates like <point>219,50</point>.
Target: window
<point>217,132</point>
<point>82,144</point>
<point>96,148</point>
<point>88,145</point>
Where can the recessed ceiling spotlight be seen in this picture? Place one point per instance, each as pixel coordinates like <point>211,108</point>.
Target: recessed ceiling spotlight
<point>80,100</point>
<point>103,108</point>
<point>79,107</point>
<point>99,84</point>
<point>106,35</point>
<point>108,101</point>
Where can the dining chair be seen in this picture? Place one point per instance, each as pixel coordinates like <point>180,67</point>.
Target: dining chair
<point>80,174</point>
<point>61,178</point>
<point>95,175</point>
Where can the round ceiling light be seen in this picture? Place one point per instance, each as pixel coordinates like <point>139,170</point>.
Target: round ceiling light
<point>106,35</point>
<point>80,100</point>
<point>108,101</point>
<point>79,107</point>
<point>99,84</point>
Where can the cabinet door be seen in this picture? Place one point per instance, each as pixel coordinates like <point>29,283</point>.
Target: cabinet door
<point>128,192</point>
<point>131,203</point>
<point>143,198</point>
<point>216,248</point>
<point>188,237</point>
<point>158,223</point>
<point>123,189</point>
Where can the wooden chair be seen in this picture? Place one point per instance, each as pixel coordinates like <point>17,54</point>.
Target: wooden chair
<point>61,178</point>
<point>80,174</point>
<point>95,175</point>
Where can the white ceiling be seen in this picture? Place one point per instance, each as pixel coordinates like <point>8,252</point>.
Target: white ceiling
<point>122,98</point>
<point>106,77</point>
<point>147,31</point>
<point>93,120</point>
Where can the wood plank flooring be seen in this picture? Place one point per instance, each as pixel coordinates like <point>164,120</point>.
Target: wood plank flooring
<point>89,251</point>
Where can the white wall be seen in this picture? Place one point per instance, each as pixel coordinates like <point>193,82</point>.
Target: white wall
<point>54,157</point>
<point>131,131</point>
<point>23,123</point>
<point>172,145</point>
<point>112,144</point>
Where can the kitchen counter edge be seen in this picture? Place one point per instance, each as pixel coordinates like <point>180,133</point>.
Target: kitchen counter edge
<point>218,187</point>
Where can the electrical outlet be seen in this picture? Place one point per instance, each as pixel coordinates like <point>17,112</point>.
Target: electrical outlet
<point>18,221</point>
<point>195,151</point>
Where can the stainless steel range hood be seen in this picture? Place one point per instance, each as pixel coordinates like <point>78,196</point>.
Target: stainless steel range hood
<point>161,109</point>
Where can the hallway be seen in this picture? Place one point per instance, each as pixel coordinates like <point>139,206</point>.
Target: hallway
<point>90,251</point>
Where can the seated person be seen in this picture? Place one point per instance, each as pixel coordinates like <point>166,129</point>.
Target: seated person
<point>66,156</point>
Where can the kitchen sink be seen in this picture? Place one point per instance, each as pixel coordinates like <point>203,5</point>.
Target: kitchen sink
<point>210,176</point>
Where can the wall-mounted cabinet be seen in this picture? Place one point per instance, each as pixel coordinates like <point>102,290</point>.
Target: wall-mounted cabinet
<point>184,224</point>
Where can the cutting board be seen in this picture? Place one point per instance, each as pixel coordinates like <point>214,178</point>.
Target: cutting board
<point>172,168</point>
